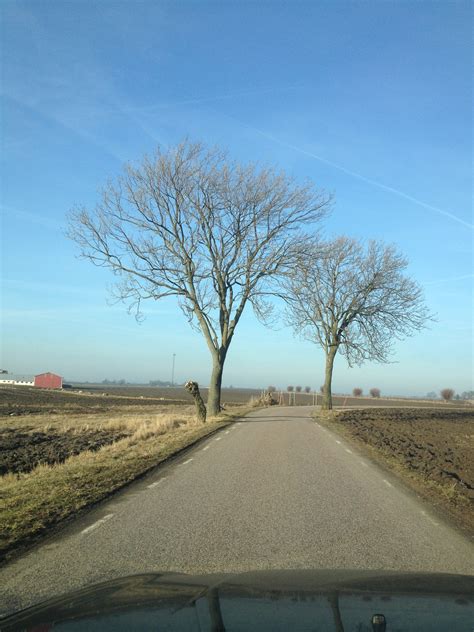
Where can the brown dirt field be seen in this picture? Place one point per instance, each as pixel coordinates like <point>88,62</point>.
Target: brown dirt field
<point>24,400</point>
<point>22,451</point>
<point>432,449</point>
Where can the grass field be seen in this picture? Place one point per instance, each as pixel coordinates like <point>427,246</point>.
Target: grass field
<point>432,450</point>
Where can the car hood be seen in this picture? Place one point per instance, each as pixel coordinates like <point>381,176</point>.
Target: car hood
<point>263,600</point>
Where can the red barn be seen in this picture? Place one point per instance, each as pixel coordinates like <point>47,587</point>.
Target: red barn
<point>48,380</point>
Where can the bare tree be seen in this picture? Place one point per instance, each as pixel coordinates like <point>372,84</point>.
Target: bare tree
<point>357,392</point>
<point>447,394</point>
<point>298,389</point>
<point>307,389</point>
<point>189,222</point>
<point>271,389</point>
<point>374,392</point>
<point>290,389</point>
<point>344,296</point>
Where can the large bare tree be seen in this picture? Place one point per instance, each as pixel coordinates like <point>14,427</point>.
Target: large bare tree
<point>191,223</point>
<point>355,299</point>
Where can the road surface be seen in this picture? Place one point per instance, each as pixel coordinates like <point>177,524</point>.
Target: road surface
<point>276,490</point>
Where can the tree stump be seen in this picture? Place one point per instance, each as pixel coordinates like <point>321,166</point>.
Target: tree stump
<point>193,388</point>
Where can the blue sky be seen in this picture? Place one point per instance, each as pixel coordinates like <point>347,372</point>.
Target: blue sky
<point>371,100</point>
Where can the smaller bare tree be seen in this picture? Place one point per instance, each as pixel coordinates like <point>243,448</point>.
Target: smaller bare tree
<point>447,394</point>
<point>271,389</point>
<point>290,389</point>
<point>374,392</point>
<point>343,295</point>
<point>298,389</point>
<point>357,392</point>
<point>307,389</point>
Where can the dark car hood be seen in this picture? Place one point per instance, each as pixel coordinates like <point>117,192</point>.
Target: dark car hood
<point>263,600</point>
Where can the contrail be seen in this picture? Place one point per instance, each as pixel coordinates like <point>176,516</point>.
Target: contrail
<point>215,97</point>
<point>354,174</point>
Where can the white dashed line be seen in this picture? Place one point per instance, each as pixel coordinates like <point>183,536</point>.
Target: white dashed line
<point>338,442</point>
<point>227,432</point>
<point>364,464</point>
<point>97,524</point>
<point>217,438</point>
<point>347,450</point>
<point>156,483</point>
<point>206,447</point>
<point>186,462</point>
<point>387,483</point>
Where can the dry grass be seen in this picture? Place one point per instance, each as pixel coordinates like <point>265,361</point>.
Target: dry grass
<point>34,502</point>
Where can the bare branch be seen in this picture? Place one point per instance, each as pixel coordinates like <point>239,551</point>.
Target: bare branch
<point>191,223</point>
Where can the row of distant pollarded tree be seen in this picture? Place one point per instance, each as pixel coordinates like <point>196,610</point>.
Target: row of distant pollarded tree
<point>222,237</point>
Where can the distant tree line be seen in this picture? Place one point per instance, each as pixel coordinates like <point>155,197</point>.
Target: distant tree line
<point>449,394</point>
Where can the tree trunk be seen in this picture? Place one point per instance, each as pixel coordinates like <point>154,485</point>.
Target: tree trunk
<point>327,395</point>
<point>193,388</point>
<point>215,385</point>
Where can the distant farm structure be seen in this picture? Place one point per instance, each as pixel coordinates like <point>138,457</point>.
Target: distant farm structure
<point>42,380</point>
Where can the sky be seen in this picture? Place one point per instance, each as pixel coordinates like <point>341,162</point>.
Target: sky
<point>370,100</point>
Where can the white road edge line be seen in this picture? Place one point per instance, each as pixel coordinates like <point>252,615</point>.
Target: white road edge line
<point>152,485</point>
<point>387,483</point>
<point>185,462</point>
<point>98,523</point>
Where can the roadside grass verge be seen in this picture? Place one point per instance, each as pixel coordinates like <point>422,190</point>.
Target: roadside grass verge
<point>34,503</point>
<point>430,451</point>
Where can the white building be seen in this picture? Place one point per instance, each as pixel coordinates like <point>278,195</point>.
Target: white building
<point>17,380</point>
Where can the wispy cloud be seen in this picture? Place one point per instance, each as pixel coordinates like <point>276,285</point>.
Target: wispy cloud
<point>463,277</point>
<point>350,172</point>
<point>63,120</point>
<point>39,286</point>
<point>36,218</point>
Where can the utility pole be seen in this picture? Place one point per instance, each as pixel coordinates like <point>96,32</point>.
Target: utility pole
<point>172,370</point>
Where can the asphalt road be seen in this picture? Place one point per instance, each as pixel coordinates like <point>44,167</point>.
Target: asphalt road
<point>274,491</point>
